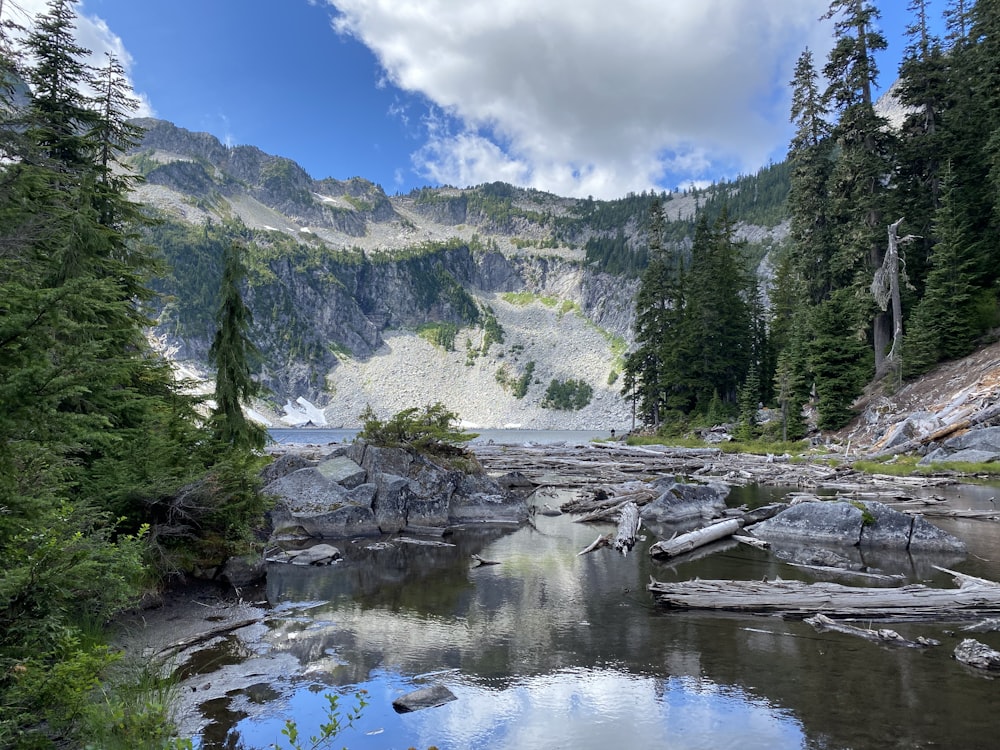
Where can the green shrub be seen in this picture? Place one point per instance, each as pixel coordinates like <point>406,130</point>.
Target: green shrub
<point>430,429</point>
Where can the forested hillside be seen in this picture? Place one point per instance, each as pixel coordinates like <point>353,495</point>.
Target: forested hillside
<point>894,253</point>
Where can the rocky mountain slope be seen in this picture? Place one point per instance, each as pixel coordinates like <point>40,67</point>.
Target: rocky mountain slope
<point>343,277</point>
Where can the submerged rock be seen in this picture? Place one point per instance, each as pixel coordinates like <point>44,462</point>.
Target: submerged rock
<point>428,697</point>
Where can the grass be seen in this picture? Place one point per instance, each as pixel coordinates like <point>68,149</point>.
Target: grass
<point>754,447</point>
<point>902,466</point>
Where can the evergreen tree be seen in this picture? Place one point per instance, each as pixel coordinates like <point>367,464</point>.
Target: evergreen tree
<point>231,352</point>
<point>943,326</point>
<point>858,182</point>
<point>718,329</point>
<point>810,155</point>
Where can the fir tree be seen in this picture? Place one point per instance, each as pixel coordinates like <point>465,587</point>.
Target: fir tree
<point>232,352</point>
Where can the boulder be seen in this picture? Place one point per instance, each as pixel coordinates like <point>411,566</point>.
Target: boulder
<point>478,498</point>
<point>284,465</point>
<point>343,471</point>
<point>243,570</point>
<point>318,554</point>
<point>310,503</point>
<point>680,503</point>
<point>822,522</point>
<point>984,439</point>
<point>868,524</point>
<point>428,697</point>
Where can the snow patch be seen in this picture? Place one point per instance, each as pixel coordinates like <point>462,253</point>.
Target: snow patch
<point>302,412</point>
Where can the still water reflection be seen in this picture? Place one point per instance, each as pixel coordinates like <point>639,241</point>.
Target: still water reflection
<point>552,650</point>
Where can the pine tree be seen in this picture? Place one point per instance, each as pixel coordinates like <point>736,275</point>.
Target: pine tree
<point>231,352</point>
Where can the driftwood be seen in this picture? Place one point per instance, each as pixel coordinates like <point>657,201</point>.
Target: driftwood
<point>624,538</point>
<point>628,528</point>
<point>976,654</point>
<point>184,643</point>
<point>752,541</point>
<point>822,623</point>
<point>480,561</point>
<point>602,541</point>
<point>692,540</point>
<point>974,598</point>
<point>985,626</point>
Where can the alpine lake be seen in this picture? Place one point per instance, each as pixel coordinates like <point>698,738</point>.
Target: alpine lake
<point>550,649</point>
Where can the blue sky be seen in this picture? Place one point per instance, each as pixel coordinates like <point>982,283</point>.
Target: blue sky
<point>588,97</point>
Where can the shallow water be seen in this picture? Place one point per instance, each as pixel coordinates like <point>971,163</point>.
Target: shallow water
<point>550,650</point>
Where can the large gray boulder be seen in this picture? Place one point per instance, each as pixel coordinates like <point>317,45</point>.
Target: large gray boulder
<point>310,504</point>
<point>680,503</point>
<point>866,523</point>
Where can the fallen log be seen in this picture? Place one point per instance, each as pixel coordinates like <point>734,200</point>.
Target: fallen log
<point>822,623</point>
<point>752,541</point>
<point>974,598</point>
<point>976,654</point>
<point>628,528</point>
<point>693,539</point>
<point>602,541</point>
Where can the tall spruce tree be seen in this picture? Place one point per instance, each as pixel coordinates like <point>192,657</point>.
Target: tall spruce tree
<point>232,352</point>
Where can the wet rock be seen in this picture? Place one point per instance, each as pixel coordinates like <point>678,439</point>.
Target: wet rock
<point>868,524</point>
<point>683,502</point>
<point>428,697</point>
<point>976,654</point>
<point>243,570</point>
<point>318,554</point>
<point>819,522</point>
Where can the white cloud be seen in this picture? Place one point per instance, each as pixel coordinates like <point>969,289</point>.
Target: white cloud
<point>93,34</point>
<point>593,97</point>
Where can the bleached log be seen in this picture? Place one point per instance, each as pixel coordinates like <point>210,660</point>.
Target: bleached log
<point>975,597</point>
<point>984,626</point>
<point>976,654</point>
<point>628,528</point>
<point>822,623</point>
<point>947,431</point>
<point>752,541</point>
<point>694,539</point>
<point>602,541</point>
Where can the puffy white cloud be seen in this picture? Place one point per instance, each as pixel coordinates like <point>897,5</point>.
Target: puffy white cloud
<point>92,33</point>
<point>589,96</point>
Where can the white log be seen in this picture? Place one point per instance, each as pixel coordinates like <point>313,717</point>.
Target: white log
<point>694,539</point>
<point>822,623</point>
<point>628,528</point>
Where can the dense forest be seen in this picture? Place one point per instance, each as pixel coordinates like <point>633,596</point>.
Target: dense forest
<point>109,478</point>
<point>894,254</point>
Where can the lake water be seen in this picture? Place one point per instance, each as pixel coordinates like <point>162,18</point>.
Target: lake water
<point>323,435</point>
<point>552,650</point>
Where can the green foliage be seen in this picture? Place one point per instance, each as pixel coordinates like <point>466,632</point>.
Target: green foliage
<point>518,386</point>
<point>430,429</point>
<point>329,729</point>
<point>492,330</point>
<point>567,395</point>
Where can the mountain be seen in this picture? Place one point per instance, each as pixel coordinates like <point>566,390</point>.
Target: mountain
<point>479,297</point>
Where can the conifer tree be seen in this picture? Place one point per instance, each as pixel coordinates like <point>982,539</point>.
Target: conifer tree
<point>232,352</point>
<point>857,185</point>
